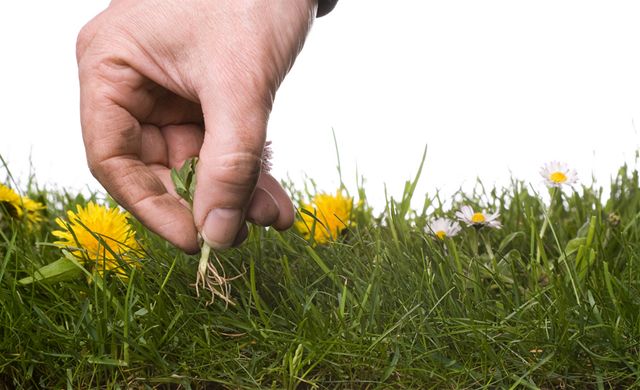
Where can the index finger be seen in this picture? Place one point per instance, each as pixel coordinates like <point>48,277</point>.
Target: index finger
<point>113,141</point>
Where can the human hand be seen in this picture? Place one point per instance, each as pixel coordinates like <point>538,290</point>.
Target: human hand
<point>165,80</point>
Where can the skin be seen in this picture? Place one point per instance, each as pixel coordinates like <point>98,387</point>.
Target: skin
<point>165,80</point>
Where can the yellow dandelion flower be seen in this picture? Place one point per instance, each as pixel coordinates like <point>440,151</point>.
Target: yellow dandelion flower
<point>10,201</point>
<point>99,235</point>
<point>332,216</point>
<point>33,210</point>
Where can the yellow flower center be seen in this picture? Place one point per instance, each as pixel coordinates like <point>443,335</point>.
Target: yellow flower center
<point>478,218</point>
<point>558,177</point>
<point>441,234</point>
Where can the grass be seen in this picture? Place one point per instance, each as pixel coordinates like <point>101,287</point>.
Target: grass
<point>552,300</point>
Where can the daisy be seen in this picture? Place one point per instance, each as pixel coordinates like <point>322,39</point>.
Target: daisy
<point>557,174</point>
<point>331,215</point>
<point>443,227</point>
<point>85,225</point>
<point>478,219</point>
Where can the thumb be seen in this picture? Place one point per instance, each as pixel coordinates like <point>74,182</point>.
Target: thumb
<point>229,166</point>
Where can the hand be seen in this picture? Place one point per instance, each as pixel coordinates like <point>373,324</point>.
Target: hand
<point>165,80</point>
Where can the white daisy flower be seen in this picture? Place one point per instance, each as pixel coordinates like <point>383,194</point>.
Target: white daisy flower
<point>478,219</point>
<point>443,227</point>
<point>557,174</point>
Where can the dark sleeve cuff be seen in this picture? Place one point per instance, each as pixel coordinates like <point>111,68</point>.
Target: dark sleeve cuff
<point>325,6</point>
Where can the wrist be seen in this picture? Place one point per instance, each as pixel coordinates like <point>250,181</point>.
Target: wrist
<point>325,6</point>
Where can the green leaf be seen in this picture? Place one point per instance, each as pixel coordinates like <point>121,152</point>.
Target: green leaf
<point>60,270</point>
<point>574,244</point>
<point>584,229</point>
<point>184,179</point>
<point>507,240</point>
<point>178,182</point>
<point>107,361</point>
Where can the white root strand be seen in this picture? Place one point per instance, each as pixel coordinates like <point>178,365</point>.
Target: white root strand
<point>208,278</point>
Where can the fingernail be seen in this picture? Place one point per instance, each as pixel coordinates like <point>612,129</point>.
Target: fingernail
<point>221,227</point>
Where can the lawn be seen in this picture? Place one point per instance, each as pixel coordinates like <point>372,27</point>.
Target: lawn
<point>551,299</point>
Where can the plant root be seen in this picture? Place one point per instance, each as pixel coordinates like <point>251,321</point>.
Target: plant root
<point>208,278</point>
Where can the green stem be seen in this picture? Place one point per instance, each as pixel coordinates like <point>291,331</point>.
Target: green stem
<point>474,242</point>
<point>204,259</point>
<point>545,222</point>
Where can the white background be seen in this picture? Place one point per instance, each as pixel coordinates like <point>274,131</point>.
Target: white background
<point>494,88</point>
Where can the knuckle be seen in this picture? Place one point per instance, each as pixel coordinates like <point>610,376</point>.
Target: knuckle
<point>94,168</point>
<point>238,170</point>
<point>243,164</point>
<point>99,168</point>
<point>81,42</point>
<point>85,36</point>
